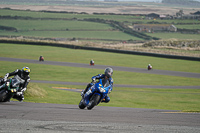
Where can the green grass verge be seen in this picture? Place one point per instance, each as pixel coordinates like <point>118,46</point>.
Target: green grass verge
<point>175,99</point>
<point>100,58</point>
<point>44,93</point>
<point>75,74</point>
<point>169,99</point>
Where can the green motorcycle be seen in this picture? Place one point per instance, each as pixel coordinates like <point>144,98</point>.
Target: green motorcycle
<point>9,89</point>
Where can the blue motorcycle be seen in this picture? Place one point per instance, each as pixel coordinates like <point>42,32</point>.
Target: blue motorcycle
<point>94,95</point>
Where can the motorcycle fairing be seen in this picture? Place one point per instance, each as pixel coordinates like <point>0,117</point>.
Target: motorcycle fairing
<point>96,89</point>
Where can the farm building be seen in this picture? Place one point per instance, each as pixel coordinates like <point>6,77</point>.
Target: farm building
<point>196,13</point>
<point>152,16</point>
<point>154,27</point>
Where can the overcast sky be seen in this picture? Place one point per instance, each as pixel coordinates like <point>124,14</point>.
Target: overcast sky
<point>141,0</point>
<point>146,0</point>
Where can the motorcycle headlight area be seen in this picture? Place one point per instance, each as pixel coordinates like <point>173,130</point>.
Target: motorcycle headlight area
<point>102,89</point>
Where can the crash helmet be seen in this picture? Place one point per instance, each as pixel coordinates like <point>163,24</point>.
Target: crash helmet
<point>25,71</point>
<point>108,72</point>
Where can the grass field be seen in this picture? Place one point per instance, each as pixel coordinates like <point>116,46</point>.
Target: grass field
<point>175,99</point>
<point>120,18</point>
<point>74,34</point>
<point>55,25</point>
<point>65,28</point>
<point>172,99</point>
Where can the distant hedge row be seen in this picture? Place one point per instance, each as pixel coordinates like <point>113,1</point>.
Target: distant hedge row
<point>120,26</point>
<point>67,12</point>
<point>174,43</point>
<point>193,31</point>
<point>7,28</point>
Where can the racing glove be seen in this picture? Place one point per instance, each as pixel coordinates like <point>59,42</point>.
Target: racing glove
<point>5,77</point>
<point>93,80</point>
<point>24,89</point>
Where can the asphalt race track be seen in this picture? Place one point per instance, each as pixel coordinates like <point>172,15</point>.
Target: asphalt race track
<point>23,117</point>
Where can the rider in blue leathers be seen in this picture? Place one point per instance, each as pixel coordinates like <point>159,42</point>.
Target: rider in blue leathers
<point>106,79</point>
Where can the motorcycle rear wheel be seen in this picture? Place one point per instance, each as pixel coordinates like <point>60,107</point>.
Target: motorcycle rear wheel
<point>93,102</point>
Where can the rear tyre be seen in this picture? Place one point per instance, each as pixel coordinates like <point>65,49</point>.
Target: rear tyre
<point>93,102</point>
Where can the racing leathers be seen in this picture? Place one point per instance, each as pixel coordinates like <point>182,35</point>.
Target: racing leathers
<point>106,82</point>
<point>24,80</point>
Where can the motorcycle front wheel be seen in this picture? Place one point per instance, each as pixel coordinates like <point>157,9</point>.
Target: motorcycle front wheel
<point>93,102</point>
<point>81,105</point>
<point>4,96</point>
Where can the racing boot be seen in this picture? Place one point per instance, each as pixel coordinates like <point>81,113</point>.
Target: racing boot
<point>19,96</point>
<point>106,99</point>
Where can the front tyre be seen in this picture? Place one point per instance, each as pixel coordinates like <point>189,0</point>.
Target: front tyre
<point>3,96</point>
<point>93,102</point>
<point>81,105</point>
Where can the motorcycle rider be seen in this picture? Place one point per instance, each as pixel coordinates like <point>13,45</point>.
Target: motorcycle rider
<point>106,79</point>
<point>41,58</point>
<point>92,62</point>
<point>149,67</point>
<point>25,79</point>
